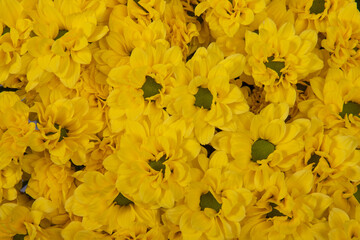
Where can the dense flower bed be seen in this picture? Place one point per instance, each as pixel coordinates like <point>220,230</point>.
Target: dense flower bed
<point>179,119</point>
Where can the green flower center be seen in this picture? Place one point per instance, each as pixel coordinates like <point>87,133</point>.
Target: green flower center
<point>317,7</point>
<point>203,98</point>
<point>19,237</point>
<point>350,108</point>
<point>274,212</point>
<point>314,159</point>
<point>6,29</point>
<point>275,65</point>
<point>63,132</point>
<point>158,165</point>
<point>60,34</point>
<point>121,200</point>
<point>261,149</point>
<point>150,87</point>
<point>208,201</point>
<point>357,194</point>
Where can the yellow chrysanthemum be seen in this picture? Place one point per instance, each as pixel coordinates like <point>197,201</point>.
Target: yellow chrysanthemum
<point>61,44</point>
<point>314,14</point>
<point>213,206</point>
<point>101,206</point>
<point>141,86</point>
<point>151,164</point>
<point>278,58</point>
<point>336,100</point>
<point>342,37</point>
<point>226,17</point>
<point>265,139</point>
<point>75,231</point>
<point>342,227</point>
<point>66,127</point>
<point>124,35</point>
<point>47,179</point>
<point>204,95</point>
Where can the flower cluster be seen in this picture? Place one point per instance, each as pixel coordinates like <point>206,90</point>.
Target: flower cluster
<point>179,119</point>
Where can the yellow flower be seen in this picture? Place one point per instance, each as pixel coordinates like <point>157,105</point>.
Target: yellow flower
<point>124,35</point>
<point>335,101</point>
<point>66,127</point>
<point>226,17</point>
<point>265,139</point>
<point>61,42</point>
<point>314,14</point>
<point>47,179</point>
<point>204,95</point>
<point>151,164</point>
<point>278,58</point>
<point>100,205</point>
<point>341,37</point>
<point>141,86</point>
<point>342,227</point>
<point>75,231</point>
<point>213,207</point>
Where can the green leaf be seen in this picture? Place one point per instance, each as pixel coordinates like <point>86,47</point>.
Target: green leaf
<point>121,200</point>
<point>203,98</point>
<point>150,87</point>
<point>261,149</point>
<point>275,65</point>
<point>317,7</point>
<point>350,108</point>
<point>208,201</point>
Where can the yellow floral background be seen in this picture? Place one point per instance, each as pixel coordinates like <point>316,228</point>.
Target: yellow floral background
<point>179,119</point>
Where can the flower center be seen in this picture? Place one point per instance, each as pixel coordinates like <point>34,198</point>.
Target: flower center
<point>6,29</point>
<point>63,132</point>
<point>158,165</point>
<point>150,87</point>
<point>314,159</point>
<point>357,194</point>
<point>203,98</point>
<point>261,149</point>
<point>275,65</point>
<point>121,200</point>
<point>60,34</point>
<point>274,212</point>
<point>208,201</point>
<point>19,237</point>
<point>350,108</point>
<point>317,7</point>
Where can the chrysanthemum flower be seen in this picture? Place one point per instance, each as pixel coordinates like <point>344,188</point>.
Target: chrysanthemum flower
<point>336,100</point>
<point>204,95</point>
<point>124,35</point>
<point>215,205</point>
<point>141,86</point>
<point>151,164</point>
<point>265,138</point>
<point>278,58</point>
<point>66,127</point>
<point>16,134</point>
<point>48,180</point>
<point>341,226</point>
<point>75,231</point>
<point>342,37</point>
<point>61,42</point>
<point>101,206</point>
<point>226,17</point>
<point>314,14</point>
